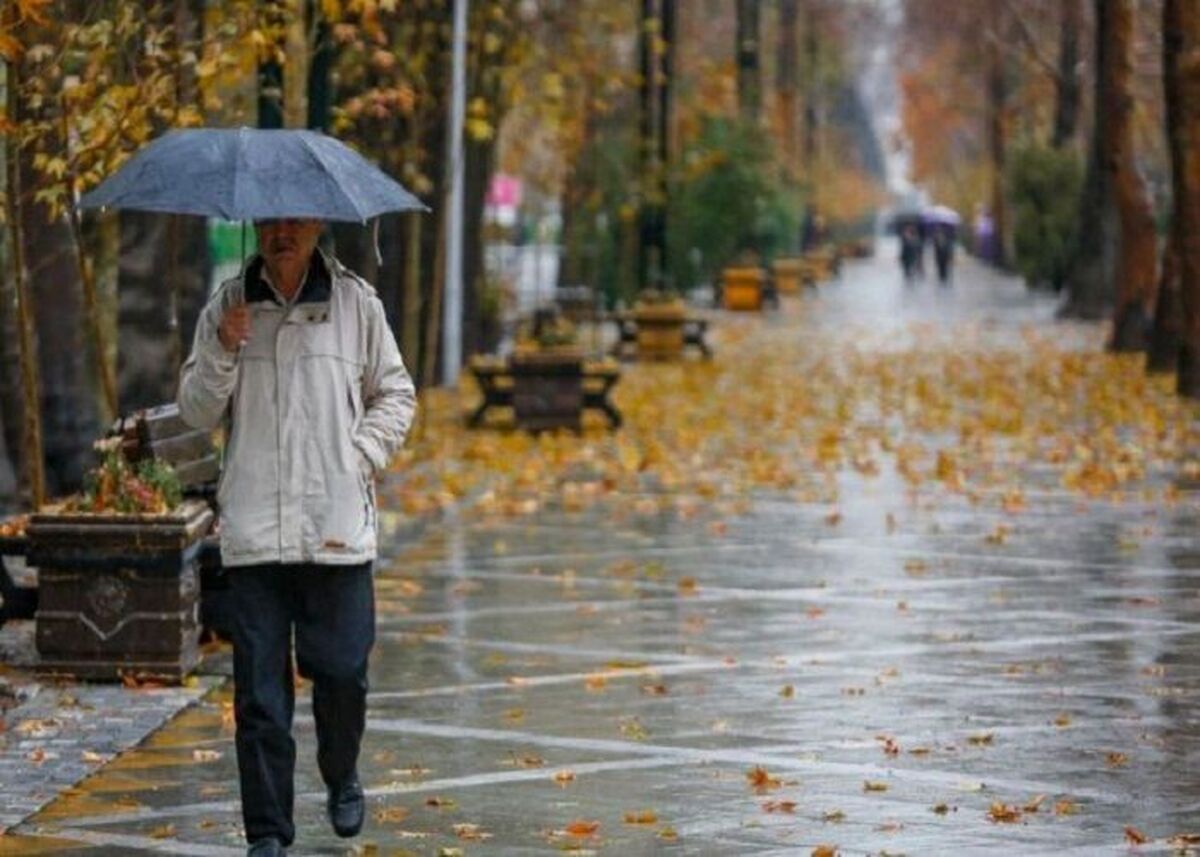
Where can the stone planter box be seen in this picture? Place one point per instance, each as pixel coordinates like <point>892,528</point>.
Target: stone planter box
<point>742,288</point>
<point>547,389</point>
<point>819,266</point>
<point>119,595</point>
<point>660,330</point>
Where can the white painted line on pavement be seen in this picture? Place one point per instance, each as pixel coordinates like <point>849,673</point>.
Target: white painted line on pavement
<point>535,609</point>
<point>487,778</point>
<point>772,759</point>
<point>649,671</point>
<point>554,649</point>
<point>881,655</point>
<point>830,545</point>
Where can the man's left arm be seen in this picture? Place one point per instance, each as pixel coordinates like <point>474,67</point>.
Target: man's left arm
<point>389,397</point>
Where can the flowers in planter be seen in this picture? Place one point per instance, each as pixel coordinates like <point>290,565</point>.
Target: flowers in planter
<point>549,331</point>
<point>114,486</point>
<point>655,304</point>
<point>14,528</point>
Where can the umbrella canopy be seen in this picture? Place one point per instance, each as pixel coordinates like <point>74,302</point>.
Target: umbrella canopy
<point>252,174</point>
<point>941,215</point>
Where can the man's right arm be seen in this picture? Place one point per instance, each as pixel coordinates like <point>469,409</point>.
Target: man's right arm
<point>210,373</point>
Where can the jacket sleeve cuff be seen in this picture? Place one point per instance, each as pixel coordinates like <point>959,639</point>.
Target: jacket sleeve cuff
<point>215,355</point>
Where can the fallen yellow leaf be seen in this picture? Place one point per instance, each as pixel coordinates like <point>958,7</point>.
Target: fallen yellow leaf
<point>645,816</point>
<point>582,829</point>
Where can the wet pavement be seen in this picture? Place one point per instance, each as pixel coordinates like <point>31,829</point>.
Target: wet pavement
<point>892,667</point>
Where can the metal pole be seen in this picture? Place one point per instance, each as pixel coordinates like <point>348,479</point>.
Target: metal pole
<point>452,315</point>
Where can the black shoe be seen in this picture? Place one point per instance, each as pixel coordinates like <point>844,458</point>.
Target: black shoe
<point>347,807</point>
<point>270,847</point>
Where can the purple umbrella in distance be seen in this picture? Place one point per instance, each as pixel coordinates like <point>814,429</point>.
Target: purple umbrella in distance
<point>941,215</point>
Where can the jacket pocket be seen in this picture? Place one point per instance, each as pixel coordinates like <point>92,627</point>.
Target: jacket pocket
<point>338,519</point>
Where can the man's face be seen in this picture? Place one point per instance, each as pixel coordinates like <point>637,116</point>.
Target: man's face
<point>287,241</point>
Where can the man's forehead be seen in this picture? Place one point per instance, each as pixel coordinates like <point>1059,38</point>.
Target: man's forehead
<point>286,221</point>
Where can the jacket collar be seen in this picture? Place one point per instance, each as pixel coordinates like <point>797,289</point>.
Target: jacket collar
<point>317,288</point>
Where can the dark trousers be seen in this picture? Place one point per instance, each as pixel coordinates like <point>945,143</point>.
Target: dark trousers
<point>331,609</point>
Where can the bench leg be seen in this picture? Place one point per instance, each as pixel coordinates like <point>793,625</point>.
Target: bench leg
<point>476,416</point>
<point>20,602</point>
<point>615,420</point>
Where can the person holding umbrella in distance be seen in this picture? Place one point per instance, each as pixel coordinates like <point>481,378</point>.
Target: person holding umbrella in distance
<point>295,358</point>
<point>943,223</point>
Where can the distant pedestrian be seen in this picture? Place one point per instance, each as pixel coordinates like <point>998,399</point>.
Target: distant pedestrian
<point>943,250</point>
<point>815,233</point>
<point>985,235</point>
<point>911,250</point>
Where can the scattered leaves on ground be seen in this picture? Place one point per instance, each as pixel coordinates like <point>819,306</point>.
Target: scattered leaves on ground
<point>761,780</point>
<point>644,816</point>
<point>1134,836</point>
<point>582,829</point>
<point>1004,813</point>
<point>788,806</point>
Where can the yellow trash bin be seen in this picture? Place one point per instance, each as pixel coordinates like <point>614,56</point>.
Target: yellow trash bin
<point>742,288</point>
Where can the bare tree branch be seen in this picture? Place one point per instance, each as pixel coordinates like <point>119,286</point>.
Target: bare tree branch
<point>1031,46</point>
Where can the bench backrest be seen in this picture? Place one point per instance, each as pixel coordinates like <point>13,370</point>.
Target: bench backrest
<point>162,434</point>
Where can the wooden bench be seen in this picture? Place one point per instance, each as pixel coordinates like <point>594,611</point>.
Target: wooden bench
<point>695,331</point>
<point>160,433</point>
<point>496,385</point>
<point>19,593</point>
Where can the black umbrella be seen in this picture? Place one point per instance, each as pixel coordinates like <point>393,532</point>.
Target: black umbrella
<point>252,174</point>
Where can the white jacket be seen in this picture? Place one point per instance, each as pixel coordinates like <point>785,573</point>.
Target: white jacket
<point>314,404</point>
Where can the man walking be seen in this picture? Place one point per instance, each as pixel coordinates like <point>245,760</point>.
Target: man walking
<point>296,358</point>
<point>943,250</point>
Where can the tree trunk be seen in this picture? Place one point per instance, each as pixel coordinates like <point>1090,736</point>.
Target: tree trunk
<point>1090,281</point>
<point>410,340</point>
<point>11,415</point>
<point>71,422</point>
<point>95,325</point>
<point>433,320</point>
<point>477,174</point>
<point>1181,32</point>
<point>1163,357</point>
<point>1067,87</point>
<point>157,314</point>
<point>997,119</point>
<point>749,75</point>
<point>163,269</point>
<point>647,150</point>
<point>318,72</point>
<point>663,161</point>
<point>31,448</point>
<point>270,80</point>
<point>296,76</point>
<point>787,85</point>
<point>8,477</point>
<point>1138,251</point>
<point>812,93</point>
